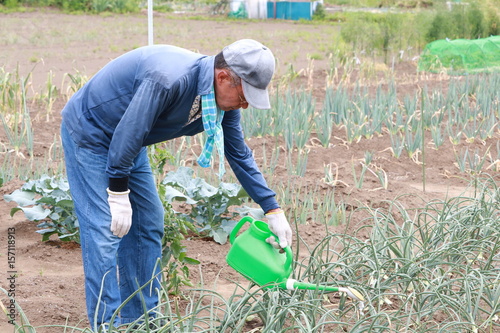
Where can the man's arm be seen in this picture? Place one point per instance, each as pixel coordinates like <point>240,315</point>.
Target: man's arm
<point>130,133</point>
<point>242,162</point>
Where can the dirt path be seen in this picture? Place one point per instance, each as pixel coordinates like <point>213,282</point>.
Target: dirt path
<point>48,276</point>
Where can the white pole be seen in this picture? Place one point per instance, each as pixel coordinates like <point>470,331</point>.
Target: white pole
<point>150,22</point>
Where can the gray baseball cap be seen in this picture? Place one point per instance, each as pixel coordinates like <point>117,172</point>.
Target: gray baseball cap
<point>254,64</point>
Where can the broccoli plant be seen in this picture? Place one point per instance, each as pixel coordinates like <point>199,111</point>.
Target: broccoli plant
<point>47,200</point>
<point>209,205</point>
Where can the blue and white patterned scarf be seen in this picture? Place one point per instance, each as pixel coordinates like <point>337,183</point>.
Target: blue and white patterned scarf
<point>212,119</point>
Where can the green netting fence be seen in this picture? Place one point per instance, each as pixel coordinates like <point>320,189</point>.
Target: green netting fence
<point>461,56</point>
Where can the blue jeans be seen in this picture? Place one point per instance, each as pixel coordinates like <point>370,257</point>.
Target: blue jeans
<point>115,267</point>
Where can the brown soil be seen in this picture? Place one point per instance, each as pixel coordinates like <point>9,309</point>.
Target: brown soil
<point>49,280</point>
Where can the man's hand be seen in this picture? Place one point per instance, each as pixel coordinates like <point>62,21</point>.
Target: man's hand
<point>121,212</point>
<point>280,227</point>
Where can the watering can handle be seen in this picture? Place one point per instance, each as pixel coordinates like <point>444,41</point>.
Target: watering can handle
<point>237,228</point>
<point>289,256</point>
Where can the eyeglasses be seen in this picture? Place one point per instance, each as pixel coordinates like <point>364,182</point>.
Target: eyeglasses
<point>242,99</point>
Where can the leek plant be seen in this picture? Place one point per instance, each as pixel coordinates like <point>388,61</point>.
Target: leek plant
<point>297,166</point>
<point>324,121</point>
<point>50,96</point>
<point>289,192</point>
<point>381,175</point>
<point>17,123</point>
<point>494,161</point>
<point>471,163</point>
<point>330,178</point>
<point>330,212</point>
<point>454,134</point>
<point>470,109</point>
<point>9,90</point>
<point>258,123</point>
<point>358,180</point>
<point>422,128</point>
<point>14,166</point>
<point>461,160</point>
<point>77,81</point>
<point>413,142</point>
<point>269,167</point>
<point>251,128</point>
<point>176,149</point>
<point>298,118</point>
<point>397,142</point>
<point>436,128</point>
<point>337,103</point>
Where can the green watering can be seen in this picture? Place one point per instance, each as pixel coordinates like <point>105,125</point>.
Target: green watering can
<point>260,262</point>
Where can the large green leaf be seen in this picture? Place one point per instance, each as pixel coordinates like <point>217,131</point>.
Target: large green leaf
<point>47,201</point>
<point>256,213</point>
<point>232,190</point>
<point>35,213</point>
<point>220,236</point>
<point>200,189</point>
<point>66,204</point>
<point>210,205</point>
<point>228,225</point>
<point>172,194</point>
<point>182,177</point>
<point>60,194</point>
<point>23,198</point>
<point>46,233</point>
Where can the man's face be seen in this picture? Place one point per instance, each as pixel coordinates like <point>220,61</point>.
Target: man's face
<point>228,96</point>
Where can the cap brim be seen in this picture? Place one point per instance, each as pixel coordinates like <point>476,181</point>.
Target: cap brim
<point>257,98</point>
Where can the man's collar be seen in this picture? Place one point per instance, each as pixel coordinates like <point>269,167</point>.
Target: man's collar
<point>206,75</point>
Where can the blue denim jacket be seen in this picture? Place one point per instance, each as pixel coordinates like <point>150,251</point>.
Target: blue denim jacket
<point>145,97</point>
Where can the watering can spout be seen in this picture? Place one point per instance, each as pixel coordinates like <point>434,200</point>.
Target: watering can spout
<point>292,284</point>
<point>261,263</point>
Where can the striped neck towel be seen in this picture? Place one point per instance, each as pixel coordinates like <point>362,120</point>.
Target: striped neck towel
<point>212,119</point>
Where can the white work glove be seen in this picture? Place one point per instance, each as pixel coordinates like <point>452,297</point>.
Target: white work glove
<point>280,227</point>
<point>272,240</point>
<point>121,212</point>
